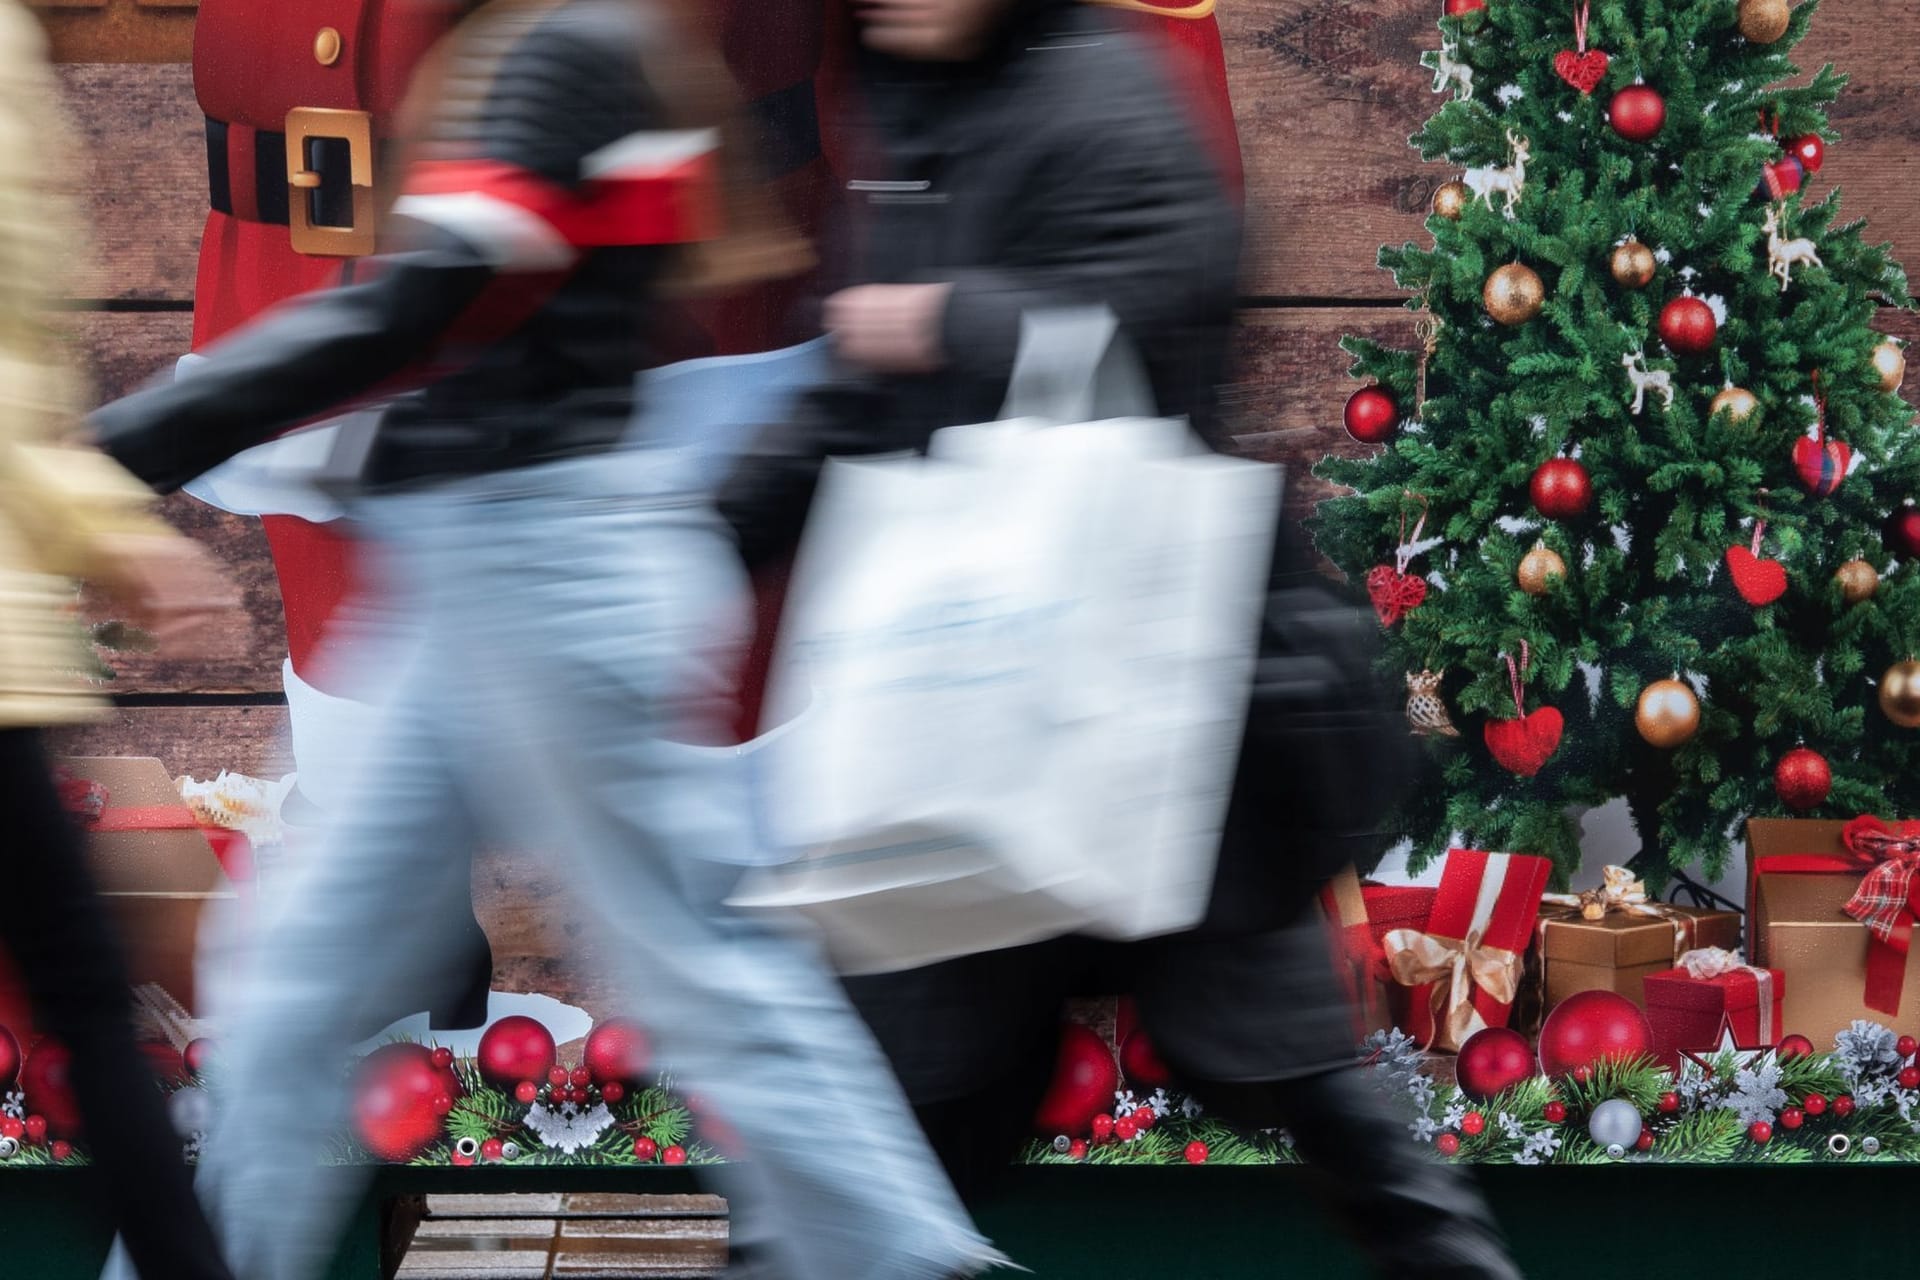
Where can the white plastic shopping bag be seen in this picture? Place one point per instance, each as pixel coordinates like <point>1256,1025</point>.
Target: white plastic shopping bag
<point>1017,670</point>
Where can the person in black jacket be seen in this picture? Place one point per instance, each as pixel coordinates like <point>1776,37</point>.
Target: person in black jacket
<point>578,606</point>
<point>1020,155</point>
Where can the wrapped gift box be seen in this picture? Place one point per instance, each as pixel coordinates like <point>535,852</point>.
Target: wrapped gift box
<point>1801,876</point>
<point>1687,1010</point>
<point>1621,949</point>
<point>1463,968</point>
<point>153,867</point>
<point>1362,914</point>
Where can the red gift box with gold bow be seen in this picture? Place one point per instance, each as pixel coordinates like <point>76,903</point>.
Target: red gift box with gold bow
<point>1832,905</point>
<point>1687,1004</point>
<point>1462,970</point>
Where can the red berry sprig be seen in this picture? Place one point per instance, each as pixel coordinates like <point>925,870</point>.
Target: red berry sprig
<point>1555,1112</point>
<point>645,1148</point>
<point>1760,1133</point>
<point>1792,1118</point>
<point>1197,1152</point>
<point>1473,1124</point>
<point>1815,1104</point>
<point>1447,1144</point>
<point>1669,1102</point>
<point>1843,1106</point>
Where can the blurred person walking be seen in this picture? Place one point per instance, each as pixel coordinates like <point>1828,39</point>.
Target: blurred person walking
<point>68,512</point>
<point>1020,156</point>
<point>580,611</point>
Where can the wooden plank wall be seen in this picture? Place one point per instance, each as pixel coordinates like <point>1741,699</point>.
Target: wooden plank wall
<point>1326,93</point>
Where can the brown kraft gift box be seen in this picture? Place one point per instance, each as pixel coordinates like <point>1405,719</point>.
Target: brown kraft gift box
<point>153,868</point>
<point>1617,952</point>
<point>1797,887</point>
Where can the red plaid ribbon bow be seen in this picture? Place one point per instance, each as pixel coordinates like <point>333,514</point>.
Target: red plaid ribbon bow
<point>1884,902</point>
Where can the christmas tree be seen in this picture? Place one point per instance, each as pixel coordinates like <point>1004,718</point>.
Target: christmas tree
<point>1641,526</point>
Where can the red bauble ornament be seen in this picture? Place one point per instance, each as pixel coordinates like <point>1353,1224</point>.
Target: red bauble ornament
<point>1196,1153</point>
<point>612,1092</point>
<point>1084,1080</point>
<point>1554,1112</point>
<point>1820,465</point>
<point>1125,1129</point>
<point>1843,1106</point>
<point>526,1092</point>
<point>558,1076</point>
<point>1524,745</point>
<point>1645,1141</point>
<point>1809,150</point>
<point>395,1093</point>
<point>1140,1062</point>
<point>1472,13</point>
<point>1792,1118</point>
<point>1902,534</point>
<point>1760,1132</point>
<point>1447,1144</point>
<point>10,1059</point>
<point>1802,779</point>
<point>645,1148</point>
<point>1759,581</point>
<point>45,1080</point>
<point>514,1049</point>
<point>1791,1047</point>
<point>1102,1128</point>
<point>1591,1027</point>
<point>1473,1124</point>
<point>618,1050</point>
<point>1371,416</point>
<point>1815,1104</point>
<point>1637,112</point>
<point>1669,1102</point>
<point>674,1155</point>
<point>1493,1060</point>
<point>1687,326</point>
<point>1560,489</point>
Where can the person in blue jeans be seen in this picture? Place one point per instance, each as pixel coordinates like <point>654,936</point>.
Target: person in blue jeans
<point>578,609</point>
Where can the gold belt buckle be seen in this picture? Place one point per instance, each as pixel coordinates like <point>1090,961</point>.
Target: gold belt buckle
<point>355,128</point>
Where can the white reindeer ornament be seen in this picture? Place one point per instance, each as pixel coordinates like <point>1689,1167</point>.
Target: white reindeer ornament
<point>1447,71</point>
<point>1658,381</point>
<point>1510,181</point>
<point>1783,255</point>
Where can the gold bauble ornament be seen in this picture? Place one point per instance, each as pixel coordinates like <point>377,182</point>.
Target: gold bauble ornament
<point>1668,713</point>
<point>1537,566</point>
<point>1900,694</point>
<point>1739,403</point>
<point>1632,265</point>
<point>1858,581</point>
<point>1513,294</point>
<point>1450,200</point>
<point>1764,21</point>
<point>1890,362</point>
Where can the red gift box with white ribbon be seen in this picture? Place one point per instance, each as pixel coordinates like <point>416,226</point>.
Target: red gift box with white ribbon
<point>1687,1006</point>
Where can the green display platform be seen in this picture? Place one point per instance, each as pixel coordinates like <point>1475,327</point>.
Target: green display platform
<point>1567,1223</point>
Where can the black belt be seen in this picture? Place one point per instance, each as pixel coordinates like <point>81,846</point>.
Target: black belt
<point>786,124</point>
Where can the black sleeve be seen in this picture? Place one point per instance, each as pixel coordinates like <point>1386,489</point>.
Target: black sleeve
<point>568,86</point>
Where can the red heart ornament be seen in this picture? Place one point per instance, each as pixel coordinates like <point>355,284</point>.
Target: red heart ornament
<point>1758,581</point>
<point>1524,746</point>
<point>1394,594</point>
<point>1821,464</point>
<point>1584,71</point>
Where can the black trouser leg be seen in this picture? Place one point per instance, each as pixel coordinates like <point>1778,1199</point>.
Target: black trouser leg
<point>74,971</point>
<point>1413,1216</point>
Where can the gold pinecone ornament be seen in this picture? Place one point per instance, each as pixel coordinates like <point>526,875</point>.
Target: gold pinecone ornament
<point>1426,711</point>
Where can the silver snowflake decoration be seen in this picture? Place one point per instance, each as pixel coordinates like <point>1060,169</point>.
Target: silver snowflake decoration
<point>1190,1107</point>
<point>1160,1104</point>
<point>1456,1112</point>
<point>1539,1148</point>
<point>1867,1048</point>
<point>1124,1103</point>
<point>1757,1095</point>
<point>15,1104</point>
<point>1514,1130</point>
<point>1421,1090</point>
<point>1423,1128</point>
<point>569,1128</point>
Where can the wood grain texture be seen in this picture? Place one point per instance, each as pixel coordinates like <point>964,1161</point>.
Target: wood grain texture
<point>189,740</point>
<point>1327,91</point>
<point>144,177</point>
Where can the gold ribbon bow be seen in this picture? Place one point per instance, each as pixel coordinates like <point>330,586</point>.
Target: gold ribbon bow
<point>1619,890</point>
<point>1417,958</point>
<point>1708,963</point>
